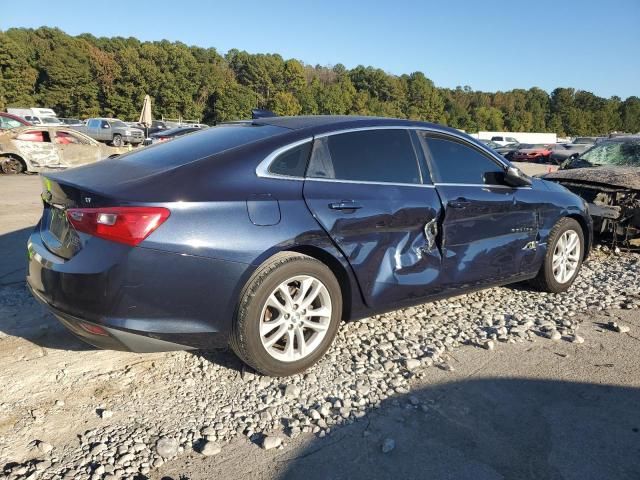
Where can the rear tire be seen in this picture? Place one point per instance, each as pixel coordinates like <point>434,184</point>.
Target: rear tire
<point>274,332</point>
<point>117,140</point>
<point>11,165</point>
<point>562,262</point>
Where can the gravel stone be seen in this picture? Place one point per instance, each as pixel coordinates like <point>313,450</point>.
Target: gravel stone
<point>271,441</point>
<point>209,449</point>
<point>167,447</point>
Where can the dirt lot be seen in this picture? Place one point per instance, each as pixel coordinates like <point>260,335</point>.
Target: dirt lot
<point>405,395</point>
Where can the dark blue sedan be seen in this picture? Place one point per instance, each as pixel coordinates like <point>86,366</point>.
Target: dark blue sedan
<point>266,234</point>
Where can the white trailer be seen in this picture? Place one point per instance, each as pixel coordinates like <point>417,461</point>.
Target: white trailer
<point>521,137</point>
<point>38,112</point>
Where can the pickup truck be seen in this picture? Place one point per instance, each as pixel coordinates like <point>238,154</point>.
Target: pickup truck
<point>111,130</point>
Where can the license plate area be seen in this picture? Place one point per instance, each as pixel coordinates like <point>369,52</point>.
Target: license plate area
<point>58,224</point>
<point>57,234</point>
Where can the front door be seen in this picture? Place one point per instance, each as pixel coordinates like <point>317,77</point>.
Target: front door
<point>74,150</point>
<point>366,190</point>
<point>489,234</point>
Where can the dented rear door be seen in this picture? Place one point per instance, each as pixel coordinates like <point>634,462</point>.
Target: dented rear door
<point>369,194</point>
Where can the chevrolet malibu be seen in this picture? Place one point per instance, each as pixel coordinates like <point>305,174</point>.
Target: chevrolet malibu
<point>264,235</point>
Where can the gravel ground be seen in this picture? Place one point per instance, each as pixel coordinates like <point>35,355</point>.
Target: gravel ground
<point>202,402</point>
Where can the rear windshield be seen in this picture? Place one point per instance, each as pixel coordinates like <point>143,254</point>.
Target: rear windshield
<point>201,144</point>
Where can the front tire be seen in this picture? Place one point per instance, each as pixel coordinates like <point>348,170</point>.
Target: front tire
<point>562,262</point>
<point>117,140</point>
<point>288,315</point>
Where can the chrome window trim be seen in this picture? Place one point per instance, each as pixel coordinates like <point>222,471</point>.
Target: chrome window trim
<point>367,182</point>
<point>262,170</point>
<point>482,185</point>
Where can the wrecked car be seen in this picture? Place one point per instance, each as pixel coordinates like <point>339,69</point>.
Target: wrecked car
<point>33,149</point>
<point>607,176</point>
<point>265,234</point>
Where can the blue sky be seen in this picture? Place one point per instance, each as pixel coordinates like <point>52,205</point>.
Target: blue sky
<point>490,45</point>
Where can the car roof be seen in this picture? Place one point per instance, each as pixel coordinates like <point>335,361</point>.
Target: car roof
<point>335,122</point>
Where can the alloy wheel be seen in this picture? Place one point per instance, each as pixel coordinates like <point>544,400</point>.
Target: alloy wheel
<point>295,318</point>
<point>566,256</point>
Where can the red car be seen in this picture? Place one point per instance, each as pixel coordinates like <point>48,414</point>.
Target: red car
<point>533,153</point>
<point>8,121</point>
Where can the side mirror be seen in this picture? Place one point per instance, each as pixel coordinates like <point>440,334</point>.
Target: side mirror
<point>106,125</point>
<point>515,178</point>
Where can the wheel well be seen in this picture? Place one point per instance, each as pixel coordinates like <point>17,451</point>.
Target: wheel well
<point>336,268</point>
<point>585,232</point>
<point>17,157</point>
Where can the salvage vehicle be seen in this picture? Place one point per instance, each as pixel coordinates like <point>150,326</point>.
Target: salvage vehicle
<point>506,151</point>
<point>35,148</point>
<point>567,150</point>
<point>8,121</point>
<point>532,153</point>
<point>607,176</point>
<point>111,130</point>
<point>265,234</point>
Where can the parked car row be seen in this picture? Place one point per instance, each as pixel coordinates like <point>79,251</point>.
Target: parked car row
<point>108,130</point>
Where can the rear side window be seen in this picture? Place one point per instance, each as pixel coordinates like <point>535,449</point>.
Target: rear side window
<point>370,155</point>
<point>454,162</point>
<point>293,162</point>
<point>34,136</point>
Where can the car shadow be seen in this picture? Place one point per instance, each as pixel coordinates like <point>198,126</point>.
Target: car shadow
<point>491,428</point>
<point>20,314</point>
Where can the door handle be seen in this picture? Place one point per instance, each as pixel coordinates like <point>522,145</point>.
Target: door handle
<point>345,205</point>
<point>459,202</point>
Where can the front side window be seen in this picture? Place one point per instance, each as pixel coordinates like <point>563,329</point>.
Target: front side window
<point>496,139</point>
<point>67,138</point>
<point>372,155</point>
<point>454,162</point>
<point>293,162</point>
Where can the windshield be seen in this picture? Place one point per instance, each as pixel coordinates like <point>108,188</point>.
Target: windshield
<point>50,120</point>
<point>614,153</point>
<point>119,124</point>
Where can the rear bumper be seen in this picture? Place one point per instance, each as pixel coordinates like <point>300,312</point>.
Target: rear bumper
<point>144,299</point>
<point>109,338</point>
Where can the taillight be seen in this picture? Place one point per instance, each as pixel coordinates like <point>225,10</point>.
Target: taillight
<point>129,225</point>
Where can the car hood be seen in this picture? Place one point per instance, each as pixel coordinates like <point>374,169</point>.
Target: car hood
<point>622,177</point>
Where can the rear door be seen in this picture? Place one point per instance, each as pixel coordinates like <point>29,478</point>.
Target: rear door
<point>489,230</point>
<point>36,148</point>
<point>367,190</point>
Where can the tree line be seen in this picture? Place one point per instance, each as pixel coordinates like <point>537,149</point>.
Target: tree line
<point>84,76</point>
